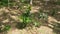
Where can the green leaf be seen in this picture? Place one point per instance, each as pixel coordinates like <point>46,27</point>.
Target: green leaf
<point>7,27</point>
<point>28,20</point>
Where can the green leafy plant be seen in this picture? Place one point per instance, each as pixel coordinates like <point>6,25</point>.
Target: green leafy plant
<point>25,17</point>
<point>5,28</point>
<point>42,15</point>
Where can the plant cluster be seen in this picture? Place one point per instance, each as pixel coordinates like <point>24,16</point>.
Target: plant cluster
<point>4,28</point>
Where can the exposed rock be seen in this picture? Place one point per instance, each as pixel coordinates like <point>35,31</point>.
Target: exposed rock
<point>14,17</point>
<point>5,21</point>
<point>51,19</point>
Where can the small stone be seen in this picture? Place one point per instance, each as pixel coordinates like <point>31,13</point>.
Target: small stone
<point>14,17</point>
<point>5,21</point>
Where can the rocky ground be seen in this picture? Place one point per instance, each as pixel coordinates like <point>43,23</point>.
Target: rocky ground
<point>11,17</point>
